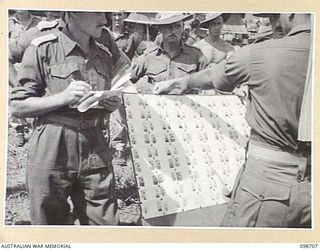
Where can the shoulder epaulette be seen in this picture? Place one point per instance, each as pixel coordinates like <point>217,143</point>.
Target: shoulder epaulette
<point>42,25</point>
<point>43,39</point>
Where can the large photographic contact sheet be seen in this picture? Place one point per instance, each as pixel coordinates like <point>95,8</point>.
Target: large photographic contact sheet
<point>186,150</point>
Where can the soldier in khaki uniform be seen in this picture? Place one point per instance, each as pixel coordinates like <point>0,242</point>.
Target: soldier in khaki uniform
<point>68,154</point>
<point>171,59</point>
<point>19,23</point>
<point>274,187</point>
<point>18,46</point>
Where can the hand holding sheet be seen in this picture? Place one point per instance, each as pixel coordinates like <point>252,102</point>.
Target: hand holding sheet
<point>94,97</point>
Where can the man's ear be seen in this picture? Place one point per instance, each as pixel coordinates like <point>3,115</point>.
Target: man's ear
<point>291,17</point>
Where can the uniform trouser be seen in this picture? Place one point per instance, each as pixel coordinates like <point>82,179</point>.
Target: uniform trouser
<point>120,138</point>
<point>66,162</point>
<point>270,193</point>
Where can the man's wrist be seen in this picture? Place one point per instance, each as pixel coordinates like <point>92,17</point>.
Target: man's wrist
<point>190,81</point>
<point>60,99</point>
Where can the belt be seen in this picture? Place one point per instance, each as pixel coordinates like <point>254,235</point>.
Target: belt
<point>271,154</point>
<point>276,155</point>
<point>78,123</point>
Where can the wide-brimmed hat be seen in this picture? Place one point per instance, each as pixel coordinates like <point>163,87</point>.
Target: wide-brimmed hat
<point>211,16</point>
<point>169,18</point>
<point>263,14</point>
<point>141,17</point>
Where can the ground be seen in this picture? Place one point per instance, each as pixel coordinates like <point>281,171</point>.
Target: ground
<point>17,205</point>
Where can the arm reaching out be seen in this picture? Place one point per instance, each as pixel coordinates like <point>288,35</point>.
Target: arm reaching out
<point>37,106</point>
<point>199,80</point>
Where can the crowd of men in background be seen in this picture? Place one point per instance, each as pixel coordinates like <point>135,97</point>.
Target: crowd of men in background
<point>154,47</point>
<point>133,34</point>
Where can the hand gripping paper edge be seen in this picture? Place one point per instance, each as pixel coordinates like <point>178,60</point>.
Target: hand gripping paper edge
<point>116,90</point>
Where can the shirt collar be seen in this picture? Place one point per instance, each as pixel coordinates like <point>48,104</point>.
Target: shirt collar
<point>299,28</point>
<point>69,44</point>
<point>162,50</point>
<point>118,36</point>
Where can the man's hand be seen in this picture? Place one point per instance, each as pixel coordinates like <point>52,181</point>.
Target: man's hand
<point>75,91</point>
<point>172,87</point>
<point>110,104</point>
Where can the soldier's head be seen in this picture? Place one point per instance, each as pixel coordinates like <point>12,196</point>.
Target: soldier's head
<point>214,23</point>
<point>86,23</point>
<point>290,20</point>
<point>172,33</point>
<point>274,19</point>
<point>117,19</point>
<point>138,22</point>
<point>171,27</point>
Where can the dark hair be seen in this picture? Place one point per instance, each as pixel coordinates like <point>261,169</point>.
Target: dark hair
<point>195,23</point>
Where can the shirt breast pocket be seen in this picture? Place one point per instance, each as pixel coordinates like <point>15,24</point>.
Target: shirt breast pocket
<point>185,69</point>
<point>59,76</point>
<point>103,76</point>
<point>157,73</point>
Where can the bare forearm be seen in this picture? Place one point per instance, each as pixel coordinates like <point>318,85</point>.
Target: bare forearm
<point>213,78</point>
<point>200,80</point>
<point>37,106</point>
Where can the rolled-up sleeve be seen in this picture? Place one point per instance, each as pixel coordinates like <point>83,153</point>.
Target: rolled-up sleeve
<point>30,77</point>
<point>233,71</point>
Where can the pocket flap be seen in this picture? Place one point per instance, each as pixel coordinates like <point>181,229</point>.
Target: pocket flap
<point>157,69</point>
<point>63,70</point>
<point>101,69</point>
<point>264,190</point>
<point>187,67</point>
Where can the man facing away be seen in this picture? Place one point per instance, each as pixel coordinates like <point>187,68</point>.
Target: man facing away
<point>274,188</point>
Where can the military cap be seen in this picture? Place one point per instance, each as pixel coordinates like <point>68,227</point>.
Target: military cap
<point>165,18</point>
<point>141,17</point>
<point>263,14</point>
<point>211,16</point>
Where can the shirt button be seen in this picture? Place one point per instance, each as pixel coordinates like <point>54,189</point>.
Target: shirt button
<point>299,178</point>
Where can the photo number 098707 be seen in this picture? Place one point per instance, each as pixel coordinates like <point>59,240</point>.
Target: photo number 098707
<point>309,246</point>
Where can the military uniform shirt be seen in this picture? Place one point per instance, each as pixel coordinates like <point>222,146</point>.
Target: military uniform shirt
<point>275,72</point>
<point>16,28</point>
<point>48,67</point>
<point>158,66</point>
<point>18,46</point>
